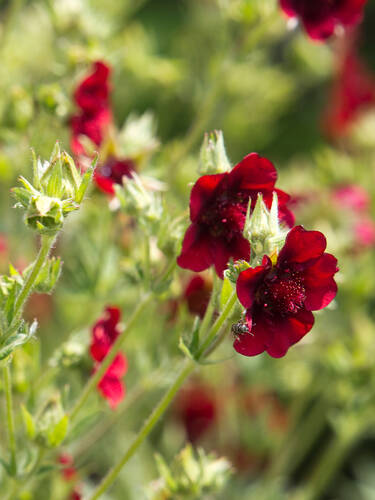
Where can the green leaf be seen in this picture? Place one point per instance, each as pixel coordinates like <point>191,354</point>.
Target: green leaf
<point>29,423</point>
<point>226,293</point>
<point>57,433</point>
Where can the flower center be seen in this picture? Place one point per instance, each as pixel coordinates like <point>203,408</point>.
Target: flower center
<point>226,216</point>
<point>116,169</point>
<point>283,294</point>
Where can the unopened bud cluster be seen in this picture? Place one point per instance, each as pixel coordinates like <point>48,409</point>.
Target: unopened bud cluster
<point>262,229</point>
<point>58,188</point>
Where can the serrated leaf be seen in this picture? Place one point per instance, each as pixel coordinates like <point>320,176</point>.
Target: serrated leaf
<point>86,179</point>
<point>29,423</point>
<point>56,434</point>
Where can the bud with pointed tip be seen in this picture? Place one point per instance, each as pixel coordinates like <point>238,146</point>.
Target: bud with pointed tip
<point>58,189</point>
<point>213,157</point>
<point>262,229</point>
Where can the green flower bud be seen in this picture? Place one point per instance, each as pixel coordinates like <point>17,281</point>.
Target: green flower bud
<point>213,157</point>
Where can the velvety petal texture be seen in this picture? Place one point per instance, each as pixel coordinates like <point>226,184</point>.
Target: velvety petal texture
<point>320,17</point>
<point>218,206</point>
<point>279,298</point>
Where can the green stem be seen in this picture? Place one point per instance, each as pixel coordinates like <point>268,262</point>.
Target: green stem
<point>10,418</point>
<point>187,368</point>
<point>45,248</point>
<point>116,346</point>
<point>27,481</point>
<point>217,325</point>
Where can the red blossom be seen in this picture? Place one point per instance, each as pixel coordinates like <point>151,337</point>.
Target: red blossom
<point>279,298</point>
<point>112,172</point>
<point>68,470</point>
<point>352,197</point>
<point>364,232</point>
<point>353,91</point>
<point>197,294</point>
<point>104,333</point>
<point>196,409</point>
<point>218,205</point>
<point>320,17</point>
<point>91,126</point>
<point>92,94</point>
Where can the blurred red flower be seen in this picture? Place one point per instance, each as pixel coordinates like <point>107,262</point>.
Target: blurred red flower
<point>93,121</point>
<point>92,94</point>
<point>279,298</point>
<point>197,294</point>
<point>353,90</point>
<point>218,205</point>
<point>68,471</point>
<point>320,17</point>
<point>112,172</point>
<point>352,197</point>
<point>196,409</point>
<point>104,333</point>
<point>364,232</point>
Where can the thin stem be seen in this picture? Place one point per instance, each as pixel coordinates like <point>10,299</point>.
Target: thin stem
<point>27,481</point>
<point>217,325</point>
<point>45,248</point>
<point>116,346</point>
<point>10,418</point>
<point>187,368</point>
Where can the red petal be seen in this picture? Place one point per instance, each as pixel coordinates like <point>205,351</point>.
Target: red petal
<point>253,173</point>
<point>288,7</point>
<point>112,389</point>
<point>255,342</point>
<point>320,286</point>
<point>320,30</point>
<point>118,367</point>
<point>195,254</point>
<point>301,246</point>
<point>104,183</point>
<point>247,284</point>
<point>288,331</point>
<point>350,12</point>
<point>202,191</point>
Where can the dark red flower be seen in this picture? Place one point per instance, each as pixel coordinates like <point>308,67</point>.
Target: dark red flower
<point>279,298</point>
<point>76,494</point>
<point>196,409</point>
<point>104,333</point>
<point>91,126</point>
<point>197,294</point>
<point>218,205</point>
<point>111,386</point>
<point>112,172</point>
<point>320,17</point>
<point>92,94</point>
<point>353,91</point>
<point>68,471</point>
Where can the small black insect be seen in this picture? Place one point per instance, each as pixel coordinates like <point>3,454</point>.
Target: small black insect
<point>239,329</point>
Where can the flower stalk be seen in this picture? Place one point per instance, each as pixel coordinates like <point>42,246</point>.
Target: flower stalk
<point>187,368</point>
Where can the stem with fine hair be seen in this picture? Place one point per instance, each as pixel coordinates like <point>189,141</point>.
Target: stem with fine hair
<point>104,365</point>
<point>10,418</point>
<point>187,368</point>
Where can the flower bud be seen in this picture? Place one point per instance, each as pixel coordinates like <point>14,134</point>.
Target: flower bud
<point>137,138</point>
<point>58,188</point>
<point>262,229</point>
<point>213,157</point>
